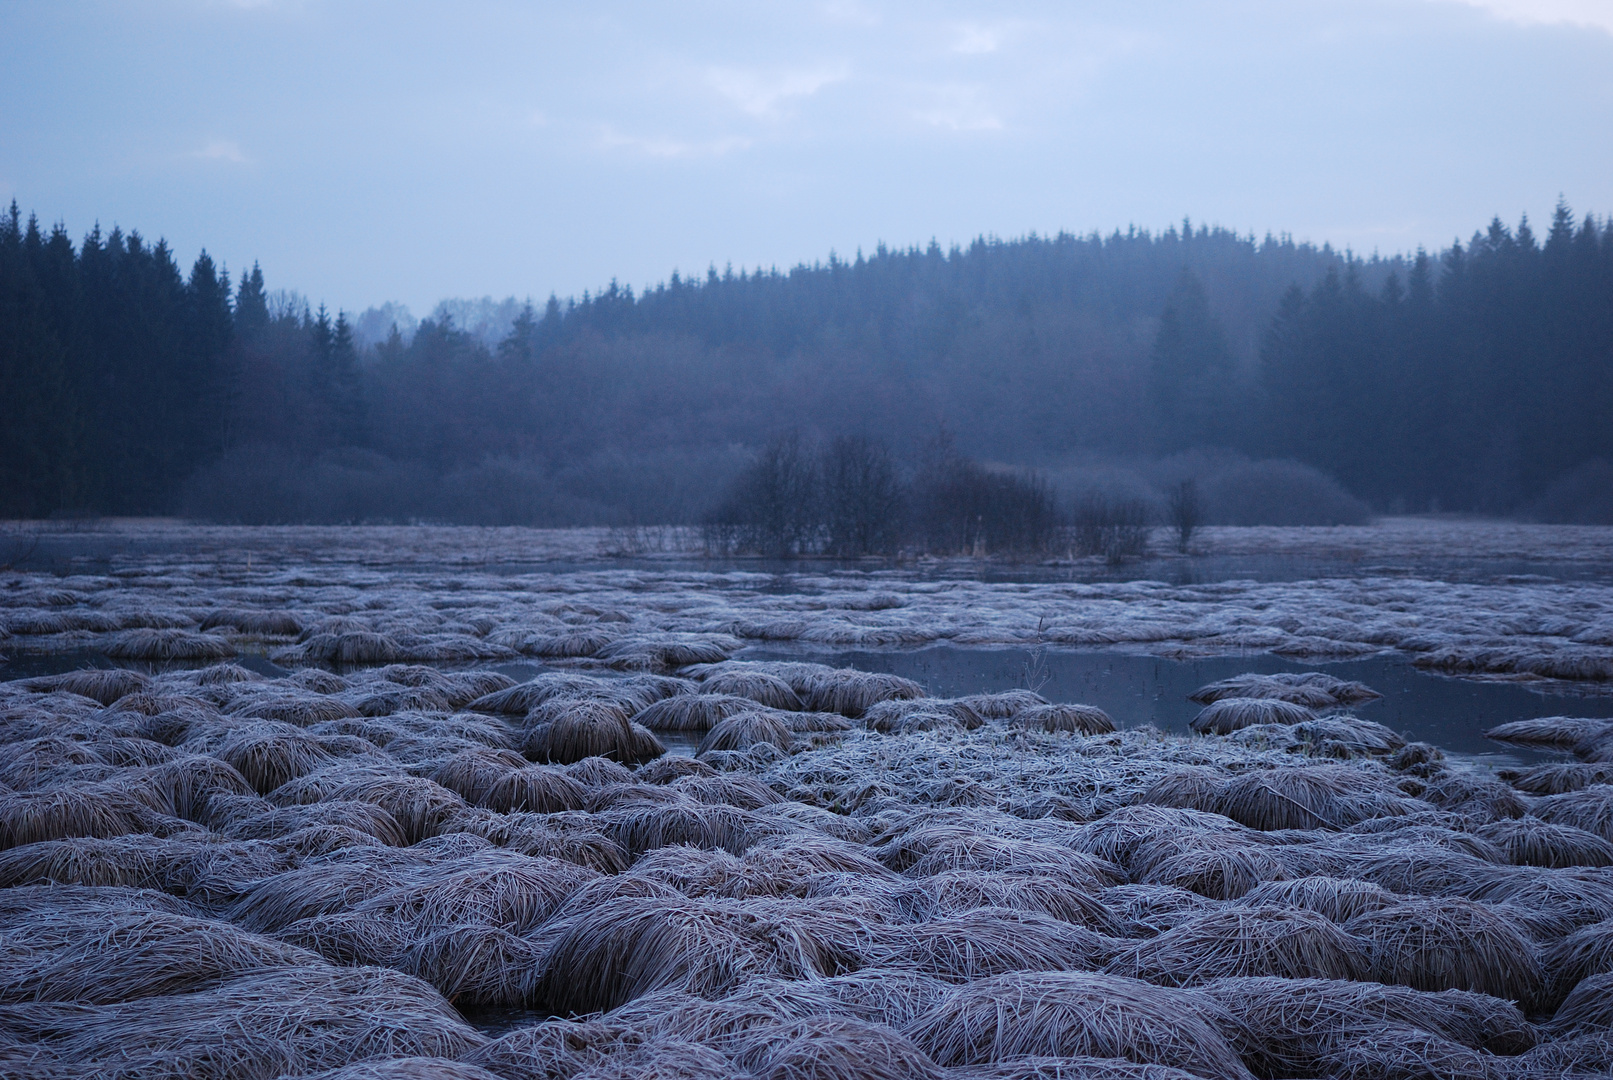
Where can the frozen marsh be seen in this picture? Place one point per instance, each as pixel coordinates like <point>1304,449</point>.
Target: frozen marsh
<point>397,802</point>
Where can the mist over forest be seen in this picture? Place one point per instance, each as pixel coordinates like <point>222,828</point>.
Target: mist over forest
<point>1292,383</point>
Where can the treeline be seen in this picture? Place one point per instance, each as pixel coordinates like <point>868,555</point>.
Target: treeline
<point>1479,379</point>
<point>1476,381</point>
<point>116,374</point>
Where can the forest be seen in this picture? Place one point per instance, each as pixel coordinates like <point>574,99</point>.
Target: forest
<point>1477,379</point>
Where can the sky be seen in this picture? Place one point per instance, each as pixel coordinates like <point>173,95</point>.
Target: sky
<point>365,152</point>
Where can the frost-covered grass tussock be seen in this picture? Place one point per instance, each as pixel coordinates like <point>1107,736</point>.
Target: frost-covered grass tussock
<point>206,871</point>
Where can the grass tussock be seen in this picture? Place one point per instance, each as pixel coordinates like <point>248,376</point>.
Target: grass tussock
<point>1075,719</point>
<point>1450,944</point>
<point>1225,715</point>
<point>1243,941</point>
<point>168,644</point>
<point>1311,689</point>
<point>257,1027</point>
<point>744,730</point>
<point>1076,1014</point>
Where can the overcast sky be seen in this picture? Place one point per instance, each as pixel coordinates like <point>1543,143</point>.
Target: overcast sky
<point>374,151</point>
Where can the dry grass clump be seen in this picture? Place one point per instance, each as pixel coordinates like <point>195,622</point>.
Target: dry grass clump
<point>1306,797</point>
<point>598,771</point>
<point>667,652</point>
<point>385,700</point>
<point>933,850</point>
<point>850,692</point>
<point>319,886</point>
<point>556,708</point>
<point>119,951</point>
<point>666,770</point>
<point>1557,777</point>
<point>298,709</point>
<point>535,788</point>
<point>1076,1068</point>
<point>1240,941</point>
<point>105,685</point>
<point>1288,1027</point>
<point>726,789</point>
<point>408,1068</point>
<point>1528,841</point>
<point>744,730</point>
<point>1400,1052</point>
<point>1003,706</point>
<point>188,865</point>
<point>171,644</point>
<point>549,1050</point>
<point>1474,795</point>
<point>761,687</point>
<point>1226,715</point>
<point>568,837</point>
<point>1559,732</point>
<point>522,698</point>
<point>588,730</point>
<point>645,827</point>
<point>269,754</point>
<point>1589,1008</point>
<point>992,941</point>
<point>1339,899</point>
<point>348,647</point>
<point>1450,944</point>
<point>1079,719</point>
<point>1192,787</point>
<point>905,716</point>
<point>472,772</point>
<point>834,1048</point>
<point>1312,689</point>
<point>260,1026</point>
<point>1573,1055</point>
<point>1071,1014</point>
<point>27,762</point>
<point>421,806</point>
<point>1590,809</point>
<point>1587,951</point>
<point>1347,737</point>
<point>258,820</point>
<point>663,1059</point>
<point>99,811</point>
<point>959,891</point>
<point>693,712</point>
<point>224,674</point>
<point>256,623</point>
<point>625,948</point>
<point>1219,871</point>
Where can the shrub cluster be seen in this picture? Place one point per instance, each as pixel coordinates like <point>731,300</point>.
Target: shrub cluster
<point>849,498</point>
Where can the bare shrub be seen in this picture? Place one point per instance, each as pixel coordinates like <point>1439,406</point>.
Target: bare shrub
<point>1184,509</point>
<point>1113,527</point>
<point>773,507</point>
<point>862,501</point>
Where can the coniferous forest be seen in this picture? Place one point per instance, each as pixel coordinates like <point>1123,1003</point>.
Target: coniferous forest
<point>1477,379</point>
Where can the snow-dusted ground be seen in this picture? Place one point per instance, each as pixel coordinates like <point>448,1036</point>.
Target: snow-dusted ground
<point>450,594</point>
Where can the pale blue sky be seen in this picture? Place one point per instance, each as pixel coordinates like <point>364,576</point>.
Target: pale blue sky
<point>370,151</point>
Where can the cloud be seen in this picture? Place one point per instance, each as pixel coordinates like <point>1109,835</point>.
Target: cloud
<point>661,146</point>
<point>761,93</point>
<point>1597,13</point>
<point>222,150</point>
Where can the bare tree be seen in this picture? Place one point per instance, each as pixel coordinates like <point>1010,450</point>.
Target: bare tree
<point>862,498</point>
<point>1186,512</point>
<point>1117,529</point>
